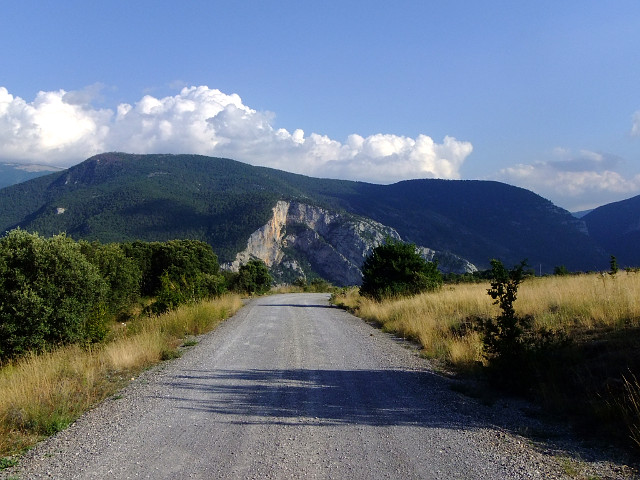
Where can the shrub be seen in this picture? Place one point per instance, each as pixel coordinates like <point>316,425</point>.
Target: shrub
<point>50,294</point>
<point>503,337</point>
<point>253,277</point>
<point>395,269</point>
<point>176,272</point>
<point>122,274</point>
<point>560,270</point>
<point>318,285</point>
<point>177,258</point>
<point>613,264</point>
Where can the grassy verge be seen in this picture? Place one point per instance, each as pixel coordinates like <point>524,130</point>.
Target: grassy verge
<point>589,376</point>
<point>42,394</point>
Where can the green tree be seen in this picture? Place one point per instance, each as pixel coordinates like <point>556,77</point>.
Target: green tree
<point>253,277</point>
<point>503,336</point>
<point>122,274</point>
<point>396,269</point>
<point>50,294</point>
<point>560,270</point>
<point>189,263</point>
<point>613,263</point>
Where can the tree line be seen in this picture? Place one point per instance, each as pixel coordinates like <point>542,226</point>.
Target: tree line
<point>56,290</point>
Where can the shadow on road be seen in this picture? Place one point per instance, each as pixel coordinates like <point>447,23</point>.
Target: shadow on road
<point>324,397</point>
<point>295,305</point>
<point>299,397</point>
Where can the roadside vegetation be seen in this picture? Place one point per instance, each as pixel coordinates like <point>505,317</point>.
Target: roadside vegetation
<point>44,393</point>
<point>569,342</point>
<point>78,319</point>
<point>302,285</point>
<point>395,269</point>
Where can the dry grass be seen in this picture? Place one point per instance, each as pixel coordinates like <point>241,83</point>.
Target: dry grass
<point>41,394</point>
<point>582,301</point>
<point>441,321</point>
<point>437,320</point>
<point>584,377</point>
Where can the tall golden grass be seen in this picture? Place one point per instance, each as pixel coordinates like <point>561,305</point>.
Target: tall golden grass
<point>599,314</point>
<point>440,320</point>
<point>41,394</point>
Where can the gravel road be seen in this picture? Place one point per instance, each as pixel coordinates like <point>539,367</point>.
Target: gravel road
<point>291,387</point>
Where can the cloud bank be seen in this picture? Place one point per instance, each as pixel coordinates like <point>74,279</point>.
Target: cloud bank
<point>580,180</point>
<point>63,128</point>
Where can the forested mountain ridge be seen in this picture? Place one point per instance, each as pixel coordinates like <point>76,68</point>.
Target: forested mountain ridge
<point>616,226</point>
<point>119,197</point>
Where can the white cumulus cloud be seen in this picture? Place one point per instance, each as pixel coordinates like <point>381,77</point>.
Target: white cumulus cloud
<point>63,128</point>
<point>579,181</point>
<point>50,129</point>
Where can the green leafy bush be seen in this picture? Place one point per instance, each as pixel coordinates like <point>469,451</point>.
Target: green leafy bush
<point>253,277</point>
<point>561,270</point>
<point>122,274</point>
<point>56,291</point>
<point>396,269</point>
<point>50,294</point>
<point>503,336</point>
<point>177,259</point>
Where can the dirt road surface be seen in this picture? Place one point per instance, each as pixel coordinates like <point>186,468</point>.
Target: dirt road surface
<point>292,387</point>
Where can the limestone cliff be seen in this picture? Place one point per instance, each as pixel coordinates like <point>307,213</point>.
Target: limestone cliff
<point>301,240</point>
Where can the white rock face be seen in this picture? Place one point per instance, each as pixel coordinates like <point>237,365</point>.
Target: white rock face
<point>266,242</point>
<point>301,238</point>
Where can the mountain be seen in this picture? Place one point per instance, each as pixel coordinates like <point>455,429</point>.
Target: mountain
<point>119,197</point>
<point>300,238</point>
<point>616,226</point>
<point>12,173</point>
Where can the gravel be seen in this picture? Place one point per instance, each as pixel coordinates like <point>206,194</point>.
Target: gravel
<point>292,387</point>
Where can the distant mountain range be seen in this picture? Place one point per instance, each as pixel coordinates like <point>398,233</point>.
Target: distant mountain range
<point>12,173</point>
<point>119,197</point>
<point>616,227</point>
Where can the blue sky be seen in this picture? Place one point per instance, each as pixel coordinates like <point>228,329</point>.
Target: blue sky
<point>543,95</point>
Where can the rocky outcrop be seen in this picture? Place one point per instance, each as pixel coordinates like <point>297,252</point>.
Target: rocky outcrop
<point>302,240</point>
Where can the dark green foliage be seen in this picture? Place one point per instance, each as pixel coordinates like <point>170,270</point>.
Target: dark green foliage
<point>176,272</point>
<point>503,335</point>
<point>122,274</point>
<point>188,261</point>
<point>50,294</point>
<point>474,277</point>
<point>55,291</point>
<point>613,265</point>
<point>561,270</point>
<point>177,289</point>
<point>253,278</point>
<point>396,269</point>
<point>7,462</point>
<point>510,346</point>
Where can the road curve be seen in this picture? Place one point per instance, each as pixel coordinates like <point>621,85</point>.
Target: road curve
<point>290,387</point>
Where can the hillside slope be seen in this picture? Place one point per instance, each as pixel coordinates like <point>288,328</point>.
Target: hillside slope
<point>117,197</point>
<point>616,226</point>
